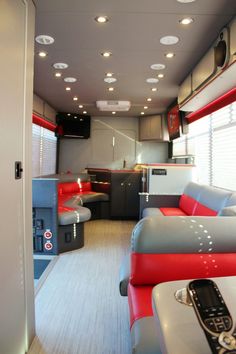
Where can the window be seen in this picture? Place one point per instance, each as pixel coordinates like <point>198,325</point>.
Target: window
<point>43,151</point>
<point>212,141</point>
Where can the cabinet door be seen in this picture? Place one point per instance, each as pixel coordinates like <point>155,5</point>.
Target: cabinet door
<point>143,128</point>
<point>131,196</point>
<point>118,195</point>
<point>155,128</point>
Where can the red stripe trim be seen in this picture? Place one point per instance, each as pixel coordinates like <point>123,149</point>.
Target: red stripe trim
<point>213,106</point>
<point>43,123</point>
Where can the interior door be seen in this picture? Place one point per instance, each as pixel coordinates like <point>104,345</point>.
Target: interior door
<point>13,42</point>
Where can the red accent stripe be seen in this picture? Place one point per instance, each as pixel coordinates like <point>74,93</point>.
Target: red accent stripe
<point>151,269</point>
<point>43,123</point>
<point>213,106</point>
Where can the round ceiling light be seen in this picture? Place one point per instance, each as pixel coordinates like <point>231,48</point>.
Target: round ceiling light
<point>57,74</point>
<point>111,89</point>
<point>101,19</point>
<point>152,80</point>
<point>154,89</point>
<point>145,107</point>
<point>160,76</point>
<point>106,54</point>
<point>84,112</point>
<point>186,21</point>
<point>68,89</point>
<point>169,40</point>
<point>185,1</point>
<point>44,39</point>
<point>113,112</point>
<point>110,80</point>
<point>149,99</point>
<point>169,55</point>
<point>60,66</point>
<point>42,54</point>
<point>157,66</point>
<point>70,79</point>
<point>75,98</point>
<point>81,106</point>
<point>109,74</point>
<point>142,113</point>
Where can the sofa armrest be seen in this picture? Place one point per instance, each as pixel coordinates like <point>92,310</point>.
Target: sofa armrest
<point>180,234</point>
<point>124,275</point>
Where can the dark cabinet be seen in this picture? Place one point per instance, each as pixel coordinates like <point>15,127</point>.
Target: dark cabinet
<point>125,187</point>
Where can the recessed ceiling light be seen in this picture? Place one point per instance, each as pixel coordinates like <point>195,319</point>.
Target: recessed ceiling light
<point>109,74</point>
<point>169,40</point>
<point>84,112</point>
<point>160,76</point>
<point>169,55</point>
<point>185,1</point>
<point>68,114</point>
<point>149,99</point>
<point>57,74</point>
<point>44,39</point>
<point>152,80</point>
<point>101,19</point>
<point>75,117</point>
<point>186,21</point>
<point>106,54</point>
<point>113,112</point>
<point>70,79</point>
<point>60,66</point>
<point>145,107</point>
<point>142,113</point>
<point>110,80</point>
<point>111,88</point>
<point>42,54</point>
<point>157,66</point>
<point>81,106</point>
<point>68,88</point>
<point>75,98</point>
<point>154,89</point>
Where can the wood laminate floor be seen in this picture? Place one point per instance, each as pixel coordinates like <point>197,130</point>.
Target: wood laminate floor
<point>79,309</point>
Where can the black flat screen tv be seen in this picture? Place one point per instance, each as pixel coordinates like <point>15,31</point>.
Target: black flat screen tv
<point>70,125</point>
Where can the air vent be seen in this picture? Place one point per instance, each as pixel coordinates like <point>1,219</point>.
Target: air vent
<point>113,105</point>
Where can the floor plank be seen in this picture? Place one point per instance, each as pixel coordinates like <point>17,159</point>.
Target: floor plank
<point>79,309</point>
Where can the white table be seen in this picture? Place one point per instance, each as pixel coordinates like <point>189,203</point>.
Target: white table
<point>178,329</point>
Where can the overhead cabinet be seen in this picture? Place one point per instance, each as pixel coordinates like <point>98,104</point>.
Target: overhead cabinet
<point>152,128</point>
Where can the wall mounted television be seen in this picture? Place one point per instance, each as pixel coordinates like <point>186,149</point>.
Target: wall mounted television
<point>174,121</point>
<point>71,125</point>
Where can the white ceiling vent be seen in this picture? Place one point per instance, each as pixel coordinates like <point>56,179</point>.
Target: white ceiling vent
<point>113,105</point>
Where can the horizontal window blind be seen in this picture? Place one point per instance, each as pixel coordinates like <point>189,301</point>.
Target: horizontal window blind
<point>44,151</point>
<point>212,141</point>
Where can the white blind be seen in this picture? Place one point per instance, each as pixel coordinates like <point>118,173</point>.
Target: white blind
<point>44,151</point>
<point>212,140</point>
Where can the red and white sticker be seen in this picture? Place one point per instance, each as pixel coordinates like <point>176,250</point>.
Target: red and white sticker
<point>47,234</point>
<point>48,246</point>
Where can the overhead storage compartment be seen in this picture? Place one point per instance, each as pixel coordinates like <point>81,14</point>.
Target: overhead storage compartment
<point>214,75</point>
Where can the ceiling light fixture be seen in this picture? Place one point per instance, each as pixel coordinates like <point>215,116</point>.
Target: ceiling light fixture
<point>157,66</point>
<point>75,98</point>
<point>169,40</point>
<point>154,89</point>
<point>57,74</point>
<point>142,113</point>
<point>186,21</point>
<point>106,54</point>
<point>110,80</point>
<point>149,99</point>
<point>60,66</point>
<point>114,112</point>
<point>109,74</point>
<point>185,1</point>
<point>152,80</point>
<point>70,79</point>
<point>68,88</point>
<point>42,54</point>
<point>160,76</point>
<point>169,55</point>
<point>101,19</point>
<point>44,39</point>
<point>111,89</point>
<point>145,107</point>
<point>84,112</point>
<point>68,114</point>
<point>81,106</point>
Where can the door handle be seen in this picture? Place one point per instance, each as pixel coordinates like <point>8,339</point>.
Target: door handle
<point>18,169</point>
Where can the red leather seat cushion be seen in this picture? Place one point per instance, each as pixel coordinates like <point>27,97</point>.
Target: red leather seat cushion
<point>68,187</point>
<point>140,302</point>
<point>202,210</point>
<point>151,269</point>
<point>187,204</point>
<point>172,212</point>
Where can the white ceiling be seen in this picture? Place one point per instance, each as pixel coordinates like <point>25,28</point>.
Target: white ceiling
<point>133,36</point>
